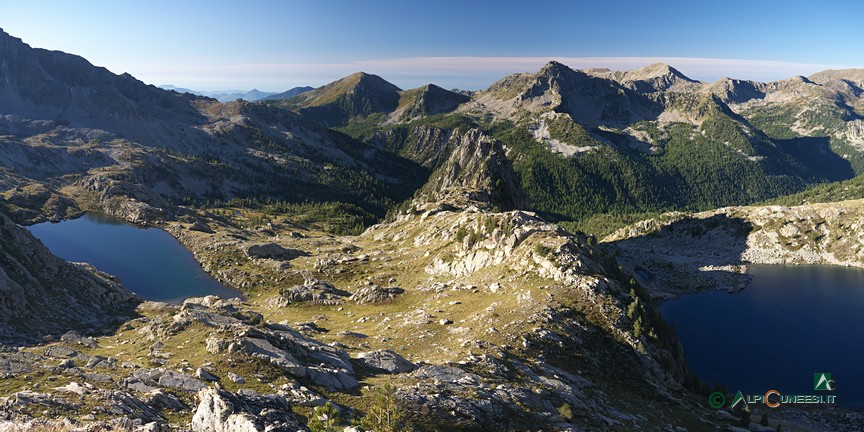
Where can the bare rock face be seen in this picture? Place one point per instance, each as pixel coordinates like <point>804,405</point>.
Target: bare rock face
<point>147,380</point>
<point>429,146</point>
<point>41,294</point>
<point>855,133</point>
<point>312,291</point>
<point>376,294</point>
<point>272,251</point>
<point>221,411</point>
<point>386,361</point>
<point>477,169</point>
<point>237,330</point>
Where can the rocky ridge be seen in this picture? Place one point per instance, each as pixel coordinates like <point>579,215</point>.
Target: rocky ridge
<point>111,143</point>
<point>713,248</point>
<point>357,95</point>
<point>468,302</point>
<point>479,168</point>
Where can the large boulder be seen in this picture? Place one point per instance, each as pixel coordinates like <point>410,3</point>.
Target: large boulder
<point>312,291</point>
<point>386,361</point>
<point>147,380</point>
<point>241,331</point>
<point>221,411</point>
<point>273,251</point>
<point>292,352</point>
<point>376,294</point>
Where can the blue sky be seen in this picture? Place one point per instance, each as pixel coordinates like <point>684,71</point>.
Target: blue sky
<point>275,45</point>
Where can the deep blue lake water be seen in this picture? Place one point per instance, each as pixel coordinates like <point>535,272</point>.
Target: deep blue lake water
<point>148,261</point>
<point>789,323</point>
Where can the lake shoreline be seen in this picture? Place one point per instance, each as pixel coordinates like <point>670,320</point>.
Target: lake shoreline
<point>169,265</point>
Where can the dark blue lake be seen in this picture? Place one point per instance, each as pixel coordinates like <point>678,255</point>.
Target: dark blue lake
<point>789,323</point>
<point>148,261</point>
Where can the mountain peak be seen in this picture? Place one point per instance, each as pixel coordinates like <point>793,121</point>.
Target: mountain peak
<point>358,75</point>
<point>647,79</point>
<point>356,95</point>
<point>426,100</point>
<point>657,70</point>
<point>366,79</point>
<point>555,68</point>
<point>853,75</point>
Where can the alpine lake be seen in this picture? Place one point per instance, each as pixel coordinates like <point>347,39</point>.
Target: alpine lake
<point>148,261</point>
<point>789,323</point>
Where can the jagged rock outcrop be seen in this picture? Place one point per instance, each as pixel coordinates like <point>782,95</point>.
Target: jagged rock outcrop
<point>237,330</point>
<point>312,291</point>
<point>222,411</point>
<point>426,145</point>
<point>376,294</point>
<point>855,133</point>
<point>477,170</point>
<point>41,294</point>
<point>297,355</point>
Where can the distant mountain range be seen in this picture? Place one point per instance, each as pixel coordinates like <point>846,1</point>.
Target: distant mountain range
<point>103,130</point>
<point>586,145</point>
<point>595,146</point>
<point>232,95</point>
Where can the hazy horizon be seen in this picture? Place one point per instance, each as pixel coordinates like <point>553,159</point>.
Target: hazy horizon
<point>274,46</point>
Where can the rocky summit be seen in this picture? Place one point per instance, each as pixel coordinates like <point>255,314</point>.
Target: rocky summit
<point>410,260</point>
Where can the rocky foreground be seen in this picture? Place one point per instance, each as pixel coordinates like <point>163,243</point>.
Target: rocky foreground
<point>480,320</point>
